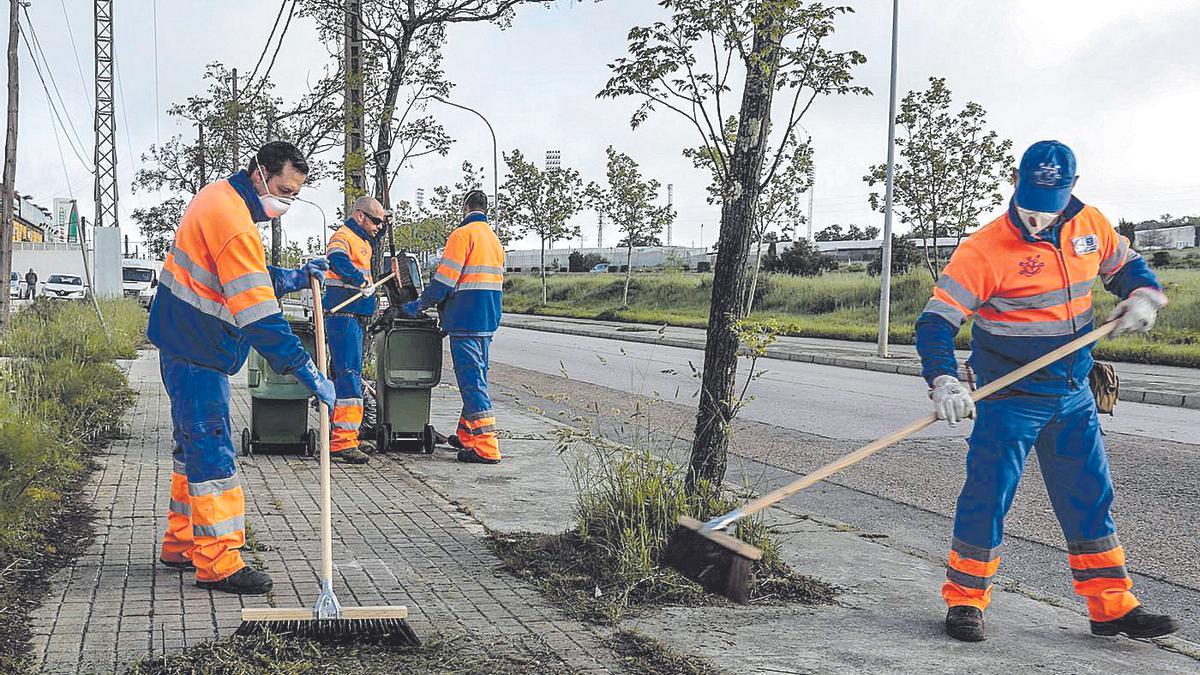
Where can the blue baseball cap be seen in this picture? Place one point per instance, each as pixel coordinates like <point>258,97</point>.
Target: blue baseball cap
<point>1046,177</point>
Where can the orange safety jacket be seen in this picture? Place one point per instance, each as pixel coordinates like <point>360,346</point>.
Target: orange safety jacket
<point>469,280</point>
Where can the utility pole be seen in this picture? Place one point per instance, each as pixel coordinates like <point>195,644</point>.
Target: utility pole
<point>600,232</point>
<point>885,271</point>
<point>670,202</point>
<point>353,158</point>
<point>10,156</point>
<point>106,121</point>
<point>233,85</point>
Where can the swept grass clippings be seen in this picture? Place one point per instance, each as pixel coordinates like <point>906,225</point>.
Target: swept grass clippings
<point>642,655</point>
<point>283,655</point>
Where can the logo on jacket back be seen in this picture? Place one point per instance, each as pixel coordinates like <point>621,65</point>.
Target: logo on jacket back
<point>1088,243</point>
<point>1031,265</point>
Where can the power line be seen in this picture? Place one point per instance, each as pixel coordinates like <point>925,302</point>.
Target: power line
<point>38,46</point>
<point>267,47</point>
<point>279,45</point>
<point>157,110</point>
<point>50,101</point>
<point>86,94</point>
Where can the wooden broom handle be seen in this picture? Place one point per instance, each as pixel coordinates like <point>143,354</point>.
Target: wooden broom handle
<point>382,280</point>
<point>323,421</point>
<point>895,437</point>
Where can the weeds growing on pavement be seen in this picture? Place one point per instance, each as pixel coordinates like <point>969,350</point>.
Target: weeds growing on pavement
<point>630,496</point>
<point>58,404</point>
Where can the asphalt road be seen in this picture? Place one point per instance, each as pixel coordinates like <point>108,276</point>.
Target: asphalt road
<point>803,415</point>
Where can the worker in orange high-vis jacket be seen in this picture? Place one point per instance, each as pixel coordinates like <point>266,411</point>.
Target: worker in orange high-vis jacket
<point>467,286</point>
<point>349,253</point>
<point>216,299</point>
<point>1027,279</point>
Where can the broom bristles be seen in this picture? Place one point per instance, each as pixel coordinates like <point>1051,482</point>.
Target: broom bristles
<point>392,632</point>
<point>720,563</point>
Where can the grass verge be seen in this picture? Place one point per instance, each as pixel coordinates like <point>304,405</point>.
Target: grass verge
<point>842,306</point>
<point>59,404</point>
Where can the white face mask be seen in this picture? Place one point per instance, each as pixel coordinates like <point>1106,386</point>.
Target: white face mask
<point>273,206</point>
<point>1036,221</point>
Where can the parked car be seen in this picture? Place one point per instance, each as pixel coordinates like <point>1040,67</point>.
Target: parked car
<point>146,295</point>
<point>64,287</point>
<point>600,268</point>
<point>14,286</point>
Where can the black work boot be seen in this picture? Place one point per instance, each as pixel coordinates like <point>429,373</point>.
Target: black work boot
<point>246,581</point>
<point>965,623</point>
<point>469,456</point>
<point>350,456</point>
<point>1138,623</point>
<point>184,564</point>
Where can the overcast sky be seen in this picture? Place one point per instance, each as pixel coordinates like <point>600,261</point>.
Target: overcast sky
<point>1115,80</point>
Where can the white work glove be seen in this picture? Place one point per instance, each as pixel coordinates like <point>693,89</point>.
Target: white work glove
<point>1136,314</point>
<point>951,400</point>
<point>367,290</point>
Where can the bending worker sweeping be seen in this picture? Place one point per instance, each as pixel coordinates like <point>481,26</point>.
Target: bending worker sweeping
<point>468,286</point>
<point>216,299</point>
<point>1027,279</point>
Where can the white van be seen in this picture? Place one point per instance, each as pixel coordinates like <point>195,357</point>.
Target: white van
<point>138,275</point>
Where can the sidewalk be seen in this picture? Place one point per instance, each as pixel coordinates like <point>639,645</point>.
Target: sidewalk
<point>1157,385</point>
<point>887,620</point>
<point>397,541</point>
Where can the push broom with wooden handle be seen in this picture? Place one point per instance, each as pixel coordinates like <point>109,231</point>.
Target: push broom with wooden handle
<point>327,619</point>
<point>723,564</point>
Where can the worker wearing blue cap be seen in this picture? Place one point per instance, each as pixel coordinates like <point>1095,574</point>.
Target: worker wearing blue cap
<point>1027,280</point>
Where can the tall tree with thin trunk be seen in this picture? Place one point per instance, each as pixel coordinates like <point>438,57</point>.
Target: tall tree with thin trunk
<point>950,170</point>
<point>541,202</point>
<point>630,203</point>
<point>684,65</point>
<point>10,159</point>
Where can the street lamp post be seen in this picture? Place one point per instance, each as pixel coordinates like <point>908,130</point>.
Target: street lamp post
<point>495,156</point>
<point>885,271</point>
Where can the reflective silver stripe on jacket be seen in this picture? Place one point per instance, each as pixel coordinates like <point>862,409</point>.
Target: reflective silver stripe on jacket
<point>945,310</point>
<point>187,295</point>
<point>481,286</point>
<point>197,272</point>
<point>1114,262</point>
<point>247,282</point>
<point>256,311</point>
<point>1035,328</point>
<point>482,269</point>
<point>960,294</point>
<point>1042,300</point>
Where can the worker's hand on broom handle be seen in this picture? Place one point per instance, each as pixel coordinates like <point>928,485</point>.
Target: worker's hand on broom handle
<point>355,298</point>
<point>862,453</point>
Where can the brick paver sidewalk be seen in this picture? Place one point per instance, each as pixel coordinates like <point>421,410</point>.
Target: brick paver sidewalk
<point>396,541</point>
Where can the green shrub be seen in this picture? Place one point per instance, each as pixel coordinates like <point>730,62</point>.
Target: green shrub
<point>52,328</point>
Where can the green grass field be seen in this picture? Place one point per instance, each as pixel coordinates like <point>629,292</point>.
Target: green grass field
<point>842,305</point>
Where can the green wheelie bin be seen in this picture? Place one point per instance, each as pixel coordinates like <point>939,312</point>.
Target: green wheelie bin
<point>279,403</point>
<point>408,359</point>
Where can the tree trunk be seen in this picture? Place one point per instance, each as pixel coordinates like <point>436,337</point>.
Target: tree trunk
<point>754,279</point>
<point>543,269</point>
<point>10,161</point>
<point>628,272</point>
<point>710,445</point>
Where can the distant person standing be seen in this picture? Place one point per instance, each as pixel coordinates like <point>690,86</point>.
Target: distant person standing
<point>30,284</point>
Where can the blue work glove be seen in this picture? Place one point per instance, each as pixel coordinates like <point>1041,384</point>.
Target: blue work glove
<point>410,310</point>
<point>317,267</point>
<point>318,384</point>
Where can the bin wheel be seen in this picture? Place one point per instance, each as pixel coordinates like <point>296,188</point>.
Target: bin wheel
<point>428,439</point>
<point>247,445</point>
<point>310,443</point>
<point>383,437</point>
